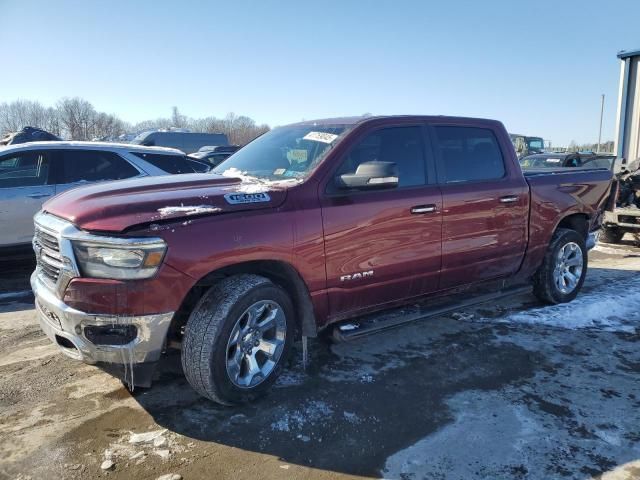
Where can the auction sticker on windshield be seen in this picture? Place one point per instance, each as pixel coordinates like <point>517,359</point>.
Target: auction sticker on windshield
<point>297,156</point>
<point>320,137</point>
<point>238,198</point>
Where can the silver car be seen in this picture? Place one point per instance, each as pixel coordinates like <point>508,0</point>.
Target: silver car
<point>30,173</point>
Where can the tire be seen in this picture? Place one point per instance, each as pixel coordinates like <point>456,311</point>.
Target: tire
<point>547,282</point>
<point>215,345</point>
<point>611,235</point>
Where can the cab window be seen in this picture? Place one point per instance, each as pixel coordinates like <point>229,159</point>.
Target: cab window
<point>467,154</point>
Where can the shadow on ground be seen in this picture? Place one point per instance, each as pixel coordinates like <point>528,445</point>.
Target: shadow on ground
<point>338,417</point>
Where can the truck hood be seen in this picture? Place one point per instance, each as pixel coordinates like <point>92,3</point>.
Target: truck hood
<point>117,206</point>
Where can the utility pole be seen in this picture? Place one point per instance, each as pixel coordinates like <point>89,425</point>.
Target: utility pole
<point>600,131</point>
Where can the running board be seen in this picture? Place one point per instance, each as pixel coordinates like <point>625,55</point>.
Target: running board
<point>374,323</point>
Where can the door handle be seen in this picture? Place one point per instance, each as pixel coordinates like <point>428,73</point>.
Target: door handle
<point>509,199</point>
<point>418,209</point>
<point>39,195</point>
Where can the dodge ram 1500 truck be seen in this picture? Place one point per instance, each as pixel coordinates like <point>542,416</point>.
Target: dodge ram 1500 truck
<point>309,225</point>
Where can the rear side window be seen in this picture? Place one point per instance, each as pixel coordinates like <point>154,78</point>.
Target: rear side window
<point>94,166</point>
<point>468,154</point>
<point>175,164</point>
<point>400,145</point>
<point>26,169</point>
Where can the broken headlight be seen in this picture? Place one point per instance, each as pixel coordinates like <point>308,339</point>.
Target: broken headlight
<point>120,261</point>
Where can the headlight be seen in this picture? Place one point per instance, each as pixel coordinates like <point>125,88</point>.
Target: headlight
<point>120,261</point>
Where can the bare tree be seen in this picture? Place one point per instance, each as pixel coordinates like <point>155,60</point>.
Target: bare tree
<point>22,113</point>
<point>77,119</point>
<point>177,120</point>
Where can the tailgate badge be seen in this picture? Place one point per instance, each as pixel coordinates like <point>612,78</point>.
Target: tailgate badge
<point>238,198</point>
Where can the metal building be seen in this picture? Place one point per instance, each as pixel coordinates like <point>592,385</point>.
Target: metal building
<point>627,141</point>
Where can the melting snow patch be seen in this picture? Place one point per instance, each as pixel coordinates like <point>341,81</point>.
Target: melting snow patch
<point>253,188</point>
<point>313,412</point>
<point>146,437</point>
<point>351,417</point>
<point>290,379</point>
<point>472,440</point>
<point>348,326</point>
<point>613,308</point>
<point>189,210</point>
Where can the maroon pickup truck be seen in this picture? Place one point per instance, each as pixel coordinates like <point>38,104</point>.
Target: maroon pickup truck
<point>309,225</point>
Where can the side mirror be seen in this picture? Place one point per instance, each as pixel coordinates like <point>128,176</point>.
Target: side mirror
<point>370,175</point>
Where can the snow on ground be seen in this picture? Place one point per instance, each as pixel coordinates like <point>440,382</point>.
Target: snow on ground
<point>615,250</point>
<point>612,308</point>
<point>462,447</point>
<point>302,419</point>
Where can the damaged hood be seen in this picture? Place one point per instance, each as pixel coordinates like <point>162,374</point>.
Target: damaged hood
<point>117,206</point>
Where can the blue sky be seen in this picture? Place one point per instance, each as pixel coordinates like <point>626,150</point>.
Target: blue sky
<point>539,66</point>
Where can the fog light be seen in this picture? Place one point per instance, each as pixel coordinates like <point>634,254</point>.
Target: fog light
<point>111,334</point>
<point>78,330</point>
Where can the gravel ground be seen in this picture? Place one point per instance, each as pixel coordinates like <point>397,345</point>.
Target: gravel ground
<point>503,390</point>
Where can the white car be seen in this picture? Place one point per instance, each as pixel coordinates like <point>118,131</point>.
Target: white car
<point>30,173</point>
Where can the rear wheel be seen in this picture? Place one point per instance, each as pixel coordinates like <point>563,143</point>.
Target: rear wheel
<point>563,270</point>
<point>611,234</point>
<point>237,339</point>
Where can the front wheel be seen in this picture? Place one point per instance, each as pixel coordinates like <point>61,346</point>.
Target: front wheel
<point>237,339</point>
<point>563,270</point>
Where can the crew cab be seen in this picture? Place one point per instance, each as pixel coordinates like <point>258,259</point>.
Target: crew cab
<point>306,227</point>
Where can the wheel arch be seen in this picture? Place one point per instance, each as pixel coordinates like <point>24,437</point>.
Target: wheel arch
<point>575,221</point>
<point>279,272</point>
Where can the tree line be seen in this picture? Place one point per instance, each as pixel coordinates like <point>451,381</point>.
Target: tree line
<point>77,119</point>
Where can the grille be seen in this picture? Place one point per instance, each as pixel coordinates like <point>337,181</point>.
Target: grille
<point>47,255</point>
<point>628,219</point>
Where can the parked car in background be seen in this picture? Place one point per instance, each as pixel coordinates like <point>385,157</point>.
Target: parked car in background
<point>188,142</point>
<point>567,159</point>
<point>32,172</point>
<point>307,226</point>
<point>214,155</point>
<point>28,134</point>
<point>525,145</point>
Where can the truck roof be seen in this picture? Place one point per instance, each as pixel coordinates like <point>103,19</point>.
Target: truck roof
<point>364,119</point>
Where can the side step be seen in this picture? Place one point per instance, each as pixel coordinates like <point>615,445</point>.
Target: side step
<point>369,324</point>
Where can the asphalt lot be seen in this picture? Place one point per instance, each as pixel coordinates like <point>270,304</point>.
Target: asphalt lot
<point>504,390</point>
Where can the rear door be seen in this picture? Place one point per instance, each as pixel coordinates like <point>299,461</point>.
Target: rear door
<point>78,167</point>
<point>485,205</point>
<point>383,245</point>
<point>24,186</point>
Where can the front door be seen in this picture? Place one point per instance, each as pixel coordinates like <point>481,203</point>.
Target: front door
<point>383,245</point>
<point>485,206</point>
<point>24,187</point>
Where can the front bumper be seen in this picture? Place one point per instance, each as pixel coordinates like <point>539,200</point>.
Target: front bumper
<point>65,326</point>
<point>627,218</point>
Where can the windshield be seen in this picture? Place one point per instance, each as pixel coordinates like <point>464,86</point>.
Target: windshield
<point>284,152</point>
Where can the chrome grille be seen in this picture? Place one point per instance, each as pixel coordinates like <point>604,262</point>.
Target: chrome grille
<point>48,255</point>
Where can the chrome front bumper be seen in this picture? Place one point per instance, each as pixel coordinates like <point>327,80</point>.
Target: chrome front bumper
<point>65,327</point>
